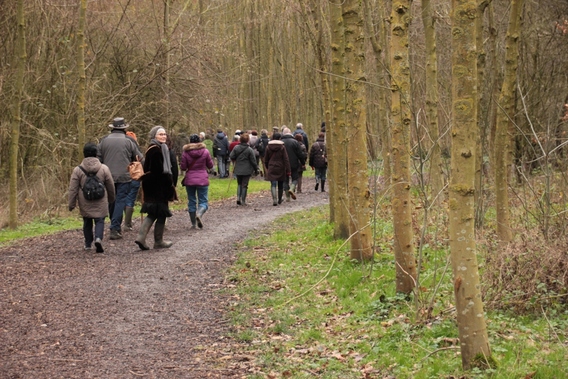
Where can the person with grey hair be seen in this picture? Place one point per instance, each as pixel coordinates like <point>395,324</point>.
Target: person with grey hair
<point>300,130</point>
<point>158,189</point>
<point>116,150</point>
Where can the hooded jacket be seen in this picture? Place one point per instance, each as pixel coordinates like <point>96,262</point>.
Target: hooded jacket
<point>276,161</point>
<point>195,161</point>
<point>91,208</point>
<point>220,145</point>
<point>245,160</point>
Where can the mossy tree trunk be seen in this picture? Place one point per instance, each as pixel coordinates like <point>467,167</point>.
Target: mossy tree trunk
<point>472,329</point>
<point>335,132</point>
<point>400,129</point>
<point>82,78</point>
<point>436,171</point>
<point>505,117</point>
<point>16,120</point>
<point>358,179</point>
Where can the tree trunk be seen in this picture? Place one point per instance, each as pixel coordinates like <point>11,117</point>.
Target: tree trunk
<point>336,141</point>
<point>505,117</point>
<point>20,66</point>
<point>358,178</point>
<point>400,129</point>
<point>436,172</point>
<point>82,79</point>
<point>469,307</point>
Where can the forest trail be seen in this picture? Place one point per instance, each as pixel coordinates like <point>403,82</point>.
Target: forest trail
<point>70,313</point>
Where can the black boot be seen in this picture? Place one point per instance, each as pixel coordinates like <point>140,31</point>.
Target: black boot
<point>239,194</point>
<point>323,185</point>
<point>193,220</point>
<point>244,196</point>
<point>317,185</point>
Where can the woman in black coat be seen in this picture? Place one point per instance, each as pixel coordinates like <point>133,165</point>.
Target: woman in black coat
<point>277,167</point>
<point>244,160</point>
<point>158,189</point>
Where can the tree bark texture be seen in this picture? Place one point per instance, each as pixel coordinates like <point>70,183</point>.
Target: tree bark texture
<point>400,129</point>
<point>474,342</point>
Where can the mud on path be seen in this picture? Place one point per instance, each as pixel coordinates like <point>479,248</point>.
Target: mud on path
<point>70,313</point>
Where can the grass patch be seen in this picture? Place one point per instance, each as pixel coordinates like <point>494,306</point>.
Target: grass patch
<point>305,310</point>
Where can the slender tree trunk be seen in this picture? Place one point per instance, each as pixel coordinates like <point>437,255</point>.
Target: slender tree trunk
<point>20,66</point>
<point>335,131</point>
<point>400,129</point>
<point>82,77</point>
<point>505,117</point>
<point>436,172</point>
<point>358,178</point>
<point>469,307</point>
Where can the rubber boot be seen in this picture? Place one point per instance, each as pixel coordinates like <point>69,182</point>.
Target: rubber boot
<point>299,189</point>
<point>193,220</point>
<point>274,192</point>
<point>291,192</point>
<point>128,211</point>
<point>244,196</point>
<point>239,194</point>
<point>317,184</point>
<point>143,232</point>
<point>323,185</point>
<point>280,193</point>
<point>159,242</point>
<point>198,217</point>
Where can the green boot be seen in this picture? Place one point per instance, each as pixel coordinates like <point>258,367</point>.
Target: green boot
<point>198,217</point>
<point>128,211</point>
<point>239,194</point>
<point>274,192</point>
<point>159,242</point>
<point>143,232</point>
<point>244,196</point>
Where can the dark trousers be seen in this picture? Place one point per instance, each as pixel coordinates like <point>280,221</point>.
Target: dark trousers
<point>88,229</point>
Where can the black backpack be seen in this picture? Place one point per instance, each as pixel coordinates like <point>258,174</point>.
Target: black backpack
<point>261,147</point>
<point>93,189</point>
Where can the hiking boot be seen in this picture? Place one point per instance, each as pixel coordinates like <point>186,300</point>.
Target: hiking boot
<point>99,246</point>
<point>115,235</point>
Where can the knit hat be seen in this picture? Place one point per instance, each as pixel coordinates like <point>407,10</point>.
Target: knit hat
<point>90,150</point>
<point>194,138</point>
<point>154,131</point>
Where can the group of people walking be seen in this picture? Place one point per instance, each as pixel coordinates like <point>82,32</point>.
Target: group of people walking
<point>284,156</point>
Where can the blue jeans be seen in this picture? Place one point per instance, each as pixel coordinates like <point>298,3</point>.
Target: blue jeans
<point>320,173</point>
<point>116,209</point>
<point>88,229</point>
<point>197,198</point>
<point>133,193</point>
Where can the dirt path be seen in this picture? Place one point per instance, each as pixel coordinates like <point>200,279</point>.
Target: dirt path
<point>70,313</point>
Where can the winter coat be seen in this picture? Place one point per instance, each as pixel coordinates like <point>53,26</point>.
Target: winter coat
<point>116,150</point>
<point>276,161</point>
<point>304,137</point>
<point>262,144</point>
<point>220,145</point>
<point>296,156</point>
<point>157,185</point>
<point>318,154</point>
<point>91,208</point>
<point>195,161</point>
<point>245,160</point>
<point>305,153</point>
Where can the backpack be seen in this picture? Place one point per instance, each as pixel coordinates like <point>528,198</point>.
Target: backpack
<point>260,147</point>
<point>93,189</point>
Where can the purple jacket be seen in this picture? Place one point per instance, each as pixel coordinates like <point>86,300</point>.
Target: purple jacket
<point>195,161</point>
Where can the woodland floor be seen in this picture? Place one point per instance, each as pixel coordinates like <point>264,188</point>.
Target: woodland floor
<point>70,313</point>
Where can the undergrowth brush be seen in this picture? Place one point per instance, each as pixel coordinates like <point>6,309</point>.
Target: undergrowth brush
<point>303,309</point>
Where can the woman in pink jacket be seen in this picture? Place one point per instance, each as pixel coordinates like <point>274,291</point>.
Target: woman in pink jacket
<point>196,162</point>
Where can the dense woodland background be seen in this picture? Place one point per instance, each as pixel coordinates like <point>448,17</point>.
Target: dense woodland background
<point>199,65</point>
